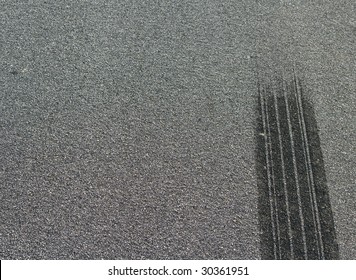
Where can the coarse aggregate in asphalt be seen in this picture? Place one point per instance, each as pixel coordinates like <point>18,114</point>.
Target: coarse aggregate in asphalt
<point>127,128</point>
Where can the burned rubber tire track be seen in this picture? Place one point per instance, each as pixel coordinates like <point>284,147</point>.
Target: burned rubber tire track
<point>294,209</point>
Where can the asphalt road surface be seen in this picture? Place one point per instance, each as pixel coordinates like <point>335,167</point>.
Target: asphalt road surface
<point>128,128</point>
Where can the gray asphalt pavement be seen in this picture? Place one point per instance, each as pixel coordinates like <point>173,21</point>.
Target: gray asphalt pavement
<point>127,128</point>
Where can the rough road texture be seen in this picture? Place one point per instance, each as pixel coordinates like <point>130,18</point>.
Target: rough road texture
<point>127,128</point>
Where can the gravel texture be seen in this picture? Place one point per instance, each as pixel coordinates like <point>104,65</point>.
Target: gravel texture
<point>127,127</point>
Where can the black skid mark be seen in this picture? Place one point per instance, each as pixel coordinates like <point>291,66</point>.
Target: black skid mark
<point>295,215</point>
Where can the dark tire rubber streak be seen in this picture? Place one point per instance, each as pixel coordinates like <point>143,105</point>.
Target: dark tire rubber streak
<point>295,214</point>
